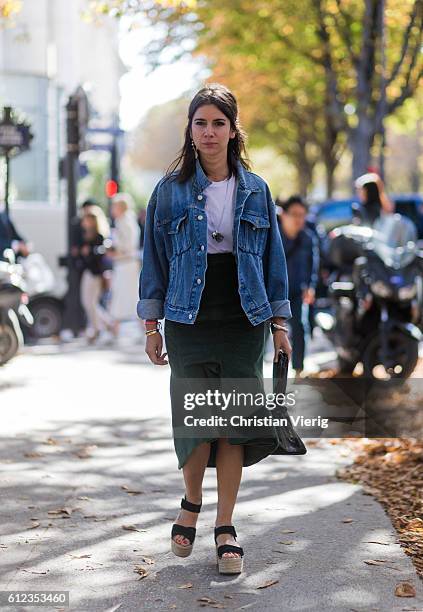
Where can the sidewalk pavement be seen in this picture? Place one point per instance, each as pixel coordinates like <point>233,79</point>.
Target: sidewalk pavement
<point>90,488</point>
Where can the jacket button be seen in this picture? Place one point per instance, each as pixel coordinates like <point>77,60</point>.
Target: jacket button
<point>202,247</point>
<point>199,197</point>
<point>198,281</point>
<point>200,217</point>
<point>190,316</point>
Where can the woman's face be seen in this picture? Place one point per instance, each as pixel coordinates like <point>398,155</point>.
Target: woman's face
<point>211,131</point>
<point>361,194</point>
<point>88,223</point>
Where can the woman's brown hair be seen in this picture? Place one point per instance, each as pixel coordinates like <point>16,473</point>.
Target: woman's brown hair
<point>221,97</point>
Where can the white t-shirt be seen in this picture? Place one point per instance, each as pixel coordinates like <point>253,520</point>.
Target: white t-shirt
<point>220,206</point>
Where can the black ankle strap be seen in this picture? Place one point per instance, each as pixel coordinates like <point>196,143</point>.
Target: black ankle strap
<point>224,529</point>
<point>187,505</point>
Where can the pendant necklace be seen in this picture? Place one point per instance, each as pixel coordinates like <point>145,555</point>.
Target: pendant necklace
<point>216,235</point>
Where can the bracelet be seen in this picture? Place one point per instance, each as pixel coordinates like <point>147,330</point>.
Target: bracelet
<point>157,325</point>
<point>151,332</point>
<point>276,327</point>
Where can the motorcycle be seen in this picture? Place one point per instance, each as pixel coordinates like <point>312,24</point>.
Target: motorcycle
<point>377,297</point>
<point>13,308</point>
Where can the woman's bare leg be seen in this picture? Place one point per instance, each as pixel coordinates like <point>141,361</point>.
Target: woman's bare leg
<point>229,462</point>
<point>193,472</point>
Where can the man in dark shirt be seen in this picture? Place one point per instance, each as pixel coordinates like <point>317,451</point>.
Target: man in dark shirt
<point>10,238</point>
<point>302,260</point>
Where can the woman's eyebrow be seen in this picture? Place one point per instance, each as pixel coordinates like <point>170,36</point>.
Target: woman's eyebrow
<point>203,119</point>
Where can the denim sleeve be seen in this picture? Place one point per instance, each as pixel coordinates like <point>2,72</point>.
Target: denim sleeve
<point>274,266</point>
<point>155,270</point>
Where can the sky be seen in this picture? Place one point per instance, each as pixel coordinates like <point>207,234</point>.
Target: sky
<point>140,92</point>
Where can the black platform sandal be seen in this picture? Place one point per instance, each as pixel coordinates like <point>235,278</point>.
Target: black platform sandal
<point>181,550</point>
<point>228,565</point>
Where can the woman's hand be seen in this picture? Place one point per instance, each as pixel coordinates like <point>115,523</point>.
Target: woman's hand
<point>281,343</point>
<point>154,347</point>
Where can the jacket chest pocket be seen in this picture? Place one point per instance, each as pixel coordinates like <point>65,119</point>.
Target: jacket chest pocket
<point>253,230</point>
<point>177,233</point>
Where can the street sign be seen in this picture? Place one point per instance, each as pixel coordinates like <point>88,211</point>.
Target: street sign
<point>15,138</point>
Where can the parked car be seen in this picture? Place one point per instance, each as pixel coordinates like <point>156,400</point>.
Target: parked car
<point>335,213</point>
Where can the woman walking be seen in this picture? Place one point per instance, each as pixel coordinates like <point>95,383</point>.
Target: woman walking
<point>214,269</point>
<point>95,230</point>
<point>126,260</point>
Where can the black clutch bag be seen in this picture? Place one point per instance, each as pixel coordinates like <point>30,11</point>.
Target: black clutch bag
<point>289,441</point>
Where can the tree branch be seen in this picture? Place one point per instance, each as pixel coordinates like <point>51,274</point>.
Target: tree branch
<point>406,42</point>
<point>406,92</point>
<point>331,77</point>
<point>345,32</point>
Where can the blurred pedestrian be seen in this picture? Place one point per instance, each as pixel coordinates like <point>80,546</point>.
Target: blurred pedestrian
<point>374,201</point>
<point>302,259</point>
<point>10,238</point>
<point>141,223</point>
<point>92,253</point>
<point>125,239</point>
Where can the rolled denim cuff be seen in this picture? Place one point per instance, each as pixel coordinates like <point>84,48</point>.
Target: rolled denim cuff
<point>150,309</point>
<point>281,308</point>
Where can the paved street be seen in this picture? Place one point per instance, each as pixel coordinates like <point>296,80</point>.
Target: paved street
<point>90,487</point>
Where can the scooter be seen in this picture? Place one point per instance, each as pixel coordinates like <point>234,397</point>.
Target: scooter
<point>13,308</point>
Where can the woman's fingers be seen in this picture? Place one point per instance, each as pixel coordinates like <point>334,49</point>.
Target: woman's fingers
<point>153,348</point>
<point>281,343</point>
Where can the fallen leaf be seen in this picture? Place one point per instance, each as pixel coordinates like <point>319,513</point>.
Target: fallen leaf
<point>131,491</point>
<point>33,455</point>
<point>80,556</point>
<point>348,520</point>
<point>51,442</point>
<point>188,585</point>
<point>141,571</point>
<point>375,561</point>
<point>288,531</point>
<point>288,542</point>
<point>405,589</point>
<point>148,560</point>
<point>376,542</point>
<point>130,528</point>
<point>34,526</point>
<point>34,571</point>
<point>268,583</point>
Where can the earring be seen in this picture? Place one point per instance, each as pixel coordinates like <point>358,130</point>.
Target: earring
<point>195,149</point>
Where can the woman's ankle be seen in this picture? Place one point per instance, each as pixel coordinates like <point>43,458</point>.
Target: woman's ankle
<point>194,498</point>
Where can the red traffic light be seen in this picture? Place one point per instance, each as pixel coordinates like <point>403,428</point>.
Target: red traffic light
<point>111,188</point>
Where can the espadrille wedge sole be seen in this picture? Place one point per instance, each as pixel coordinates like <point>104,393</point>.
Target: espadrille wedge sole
<point>228,565</point>
<point>181,550</point>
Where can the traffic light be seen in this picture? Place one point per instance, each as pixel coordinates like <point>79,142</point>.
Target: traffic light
<point>77,116</point>
<point>111,188</point>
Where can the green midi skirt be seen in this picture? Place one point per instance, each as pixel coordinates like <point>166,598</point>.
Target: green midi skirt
<point>221,344</point>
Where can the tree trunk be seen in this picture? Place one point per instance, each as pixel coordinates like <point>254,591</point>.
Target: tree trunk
<point>361,139</point>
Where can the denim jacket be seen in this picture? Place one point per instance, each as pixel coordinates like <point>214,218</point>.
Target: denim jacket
<point>175,250</point>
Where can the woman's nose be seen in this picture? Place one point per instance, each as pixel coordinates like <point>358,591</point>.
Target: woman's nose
<point>208,130</point>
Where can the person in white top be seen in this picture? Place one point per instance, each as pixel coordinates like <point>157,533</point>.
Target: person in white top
<point>126,261</point>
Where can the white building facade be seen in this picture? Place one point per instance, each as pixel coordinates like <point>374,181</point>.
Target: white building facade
<point>48,52</point>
